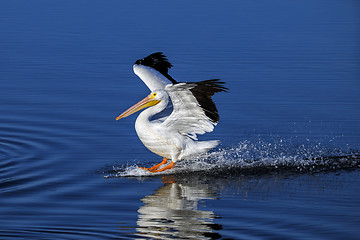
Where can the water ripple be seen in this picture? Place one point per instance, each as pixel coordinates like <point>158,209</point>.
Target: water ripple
<point>25,151</point>
<point>79,232</point>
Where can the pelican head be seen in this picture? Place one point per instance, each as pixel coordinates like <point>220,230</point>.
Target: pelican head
<point>151,100</point>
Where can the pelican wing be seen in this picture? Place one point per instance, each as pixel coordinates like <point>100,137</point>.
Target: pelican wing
<point>193,110</point>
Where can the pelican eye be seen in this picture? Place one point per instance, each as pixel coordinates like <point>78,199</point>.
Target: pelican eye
<point>153,95</point>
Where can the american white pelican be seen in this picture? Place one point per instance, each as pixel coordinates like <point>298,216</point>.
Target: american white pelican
<point>177,112</point>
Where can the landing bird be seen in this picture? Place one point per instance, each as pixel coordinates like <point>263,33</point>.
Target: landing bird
<point>176,112</point>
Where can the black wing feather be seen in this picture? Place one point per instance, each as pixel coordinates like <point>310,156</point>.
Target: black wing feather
<point>159,62</point>
<point>203,91</point>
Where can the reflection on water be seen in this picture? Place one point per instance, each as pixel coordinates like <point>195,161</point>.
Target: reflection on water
<point>194,205</point>
<point>173,212</point>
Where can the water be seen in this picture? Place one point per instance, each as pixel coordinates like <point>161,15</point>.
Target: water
<point>288,165</point>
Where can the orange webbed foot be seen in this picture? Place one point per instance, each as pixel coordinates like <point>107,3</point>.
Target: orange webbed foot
<point>153,168</point>
<point>170,166</point>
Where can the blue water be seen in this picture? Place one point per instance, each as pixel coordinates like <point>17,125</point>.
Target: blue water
<point>288,163</point>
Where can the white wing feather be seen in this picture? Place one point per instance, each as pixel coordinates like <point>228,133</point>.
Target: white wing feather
<point>188,118</point>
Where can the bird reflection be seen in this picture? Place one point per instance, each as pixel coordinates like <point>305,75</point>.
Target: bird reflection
<point>173,212</point>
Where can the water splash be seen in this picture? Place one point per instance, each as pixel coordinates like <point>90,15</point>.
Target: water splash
<point>257,157</point>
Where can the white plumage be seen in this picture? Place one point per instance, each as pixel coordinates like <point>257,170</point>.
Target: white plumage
<point>176,113</point>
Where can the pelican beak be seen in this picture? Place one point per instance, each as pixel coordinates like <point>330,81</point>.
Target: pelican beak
<point>146,102</point>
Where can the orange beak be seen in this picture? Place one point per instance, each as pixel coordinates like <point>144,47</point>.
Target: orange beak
<point>146,102</point>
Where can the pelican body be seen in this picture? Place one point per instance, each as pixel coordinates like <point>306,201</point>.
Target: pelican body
<point>175,112</point>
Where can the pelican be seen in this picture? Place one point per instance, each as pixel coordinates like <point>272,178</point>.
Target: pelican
<point>175,112</point>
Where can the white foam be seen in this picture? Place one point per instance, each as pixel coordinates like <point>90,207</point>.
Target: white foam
<point>248,155</point>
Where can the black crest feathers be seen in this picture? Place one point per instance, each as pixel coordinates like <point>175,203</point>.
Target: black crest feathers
<point>159,62</point>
